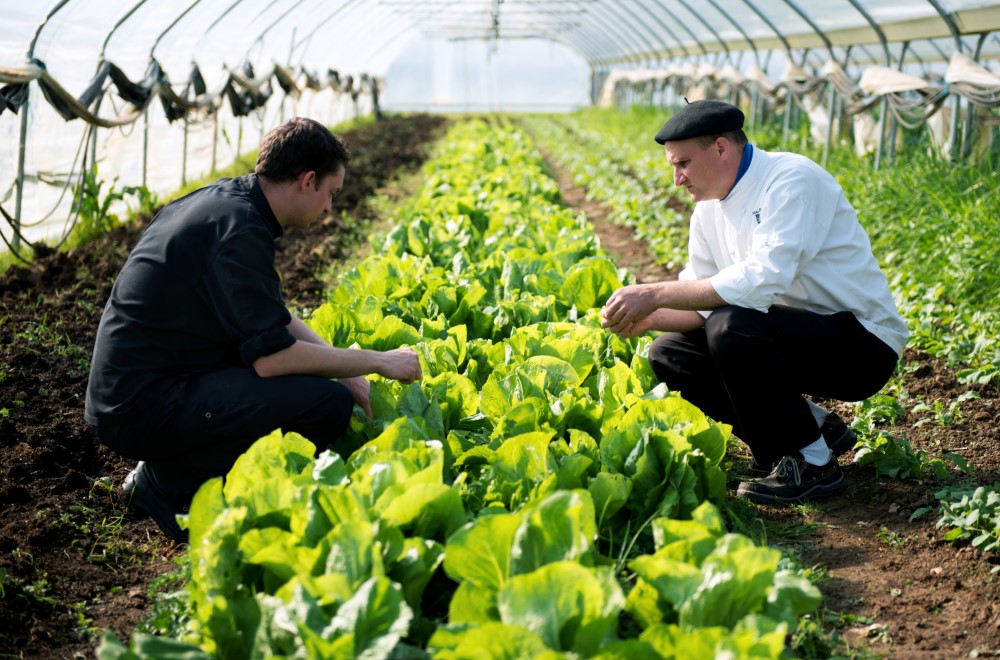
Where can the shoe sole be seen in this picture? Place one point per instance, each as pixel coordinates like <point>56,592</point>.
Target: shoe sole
<point>816,492</point>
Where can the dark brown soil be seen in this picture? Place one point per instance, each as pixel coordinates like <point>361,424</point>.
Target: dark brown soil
<point>73,563</point>
<point>895,587</point>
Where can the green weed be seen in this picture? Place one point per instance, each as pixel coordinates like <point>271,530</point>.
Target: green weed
<point>941,414</point>
<point>892,539</point>
<point>39,590</point>
<point>171,613</point>
<point>972,515</point>
<point>44,338</point>
<point>93,208</point>
<point>896,458</point>
<point>84,623</point>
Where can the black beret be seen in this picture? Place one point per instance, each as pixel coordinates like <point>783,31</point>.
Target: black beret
<point>701,118</point>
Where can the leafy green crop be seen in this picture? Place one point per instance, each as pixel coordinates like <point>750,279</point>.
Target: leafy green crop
<point>479,509</point>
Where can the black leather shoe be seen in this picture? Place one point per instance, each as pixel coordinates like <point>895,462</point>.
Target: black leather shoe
<point>795,480</point>
<point>140,492</point>
<point>838,436</point>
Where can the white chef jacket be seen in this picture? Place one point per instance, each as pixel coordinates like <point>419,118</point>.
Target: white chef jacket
<point>786,234</point>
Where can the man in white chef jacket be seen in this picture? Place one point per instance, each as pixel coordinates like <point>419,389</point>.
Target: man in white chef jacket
<point>781,297</point>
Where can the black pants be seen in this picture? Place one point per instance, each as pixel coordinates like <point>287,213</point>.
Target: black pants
<point>751,369</point>
<point>221,414</point>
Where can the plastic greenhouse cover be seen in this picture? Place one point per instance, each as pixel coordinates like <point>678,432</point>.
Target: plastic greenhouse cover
<point>348,34</point>
<point>365,37</point>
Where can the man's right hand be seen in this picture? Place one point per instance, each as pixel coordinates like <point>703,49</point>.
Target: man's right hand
<point>401,364</point>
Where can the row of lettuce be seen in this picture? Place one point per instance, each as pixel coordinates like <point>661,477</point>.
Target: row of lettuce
<point>535,495</point>
<point>932,224</point>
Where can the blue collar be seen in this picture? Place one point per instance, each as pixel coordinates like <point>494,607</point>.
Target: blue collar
<point>744,165</point>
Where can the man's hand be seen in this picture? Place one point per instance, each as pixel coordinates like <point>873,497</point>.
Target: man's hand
<point>668,306</point>
<point>360,389</point>
<point>629,329</point>
<point>401,364</point>
<point>667,320</point>
<point>629,304</point>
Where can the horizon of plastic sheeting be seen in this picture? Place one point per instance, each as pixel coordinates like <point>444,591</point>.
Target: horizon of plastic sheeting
<point>473,76</point>
<point>71,47</point>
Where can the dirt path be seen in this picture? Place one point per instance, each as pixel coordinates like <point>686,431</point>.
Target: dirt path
<point>617,240</point>
<point>892,586</point>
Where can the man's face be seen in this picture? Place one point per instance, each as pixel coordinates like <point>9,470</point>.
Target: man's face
<point>698,169</point>
<point>318,193</point>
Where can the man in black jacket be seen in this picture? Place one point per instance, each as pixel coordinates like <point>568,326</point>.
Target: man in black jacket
<point>197,355</point>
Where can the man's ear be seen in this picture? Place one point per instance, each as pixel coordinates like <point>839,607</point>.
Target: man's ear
<point>722,145</point>
<point>306,179</point>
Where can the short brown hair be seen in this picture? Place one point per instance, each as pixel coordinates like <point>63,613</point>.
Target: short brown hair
<point>737,137</point>
<point>300,145</point>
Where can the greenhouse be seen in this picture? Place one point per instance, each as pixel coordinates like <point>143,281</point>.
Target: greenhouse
<point>499,328</point>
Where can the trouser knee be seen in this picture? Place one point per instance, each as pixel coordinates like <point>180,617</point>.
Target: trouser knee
<point>730,329</point>
<point>671,360</point>
<point>335,413</point>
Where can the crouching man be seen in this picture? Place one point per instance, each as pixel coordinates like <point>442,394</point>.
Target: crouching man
<point>781,297</point>
<point>197,355</point>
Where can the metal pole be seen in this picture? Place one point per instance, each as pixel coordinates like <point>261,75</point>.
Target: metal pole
<point>881,131</point>
<point>953,137</point>
<point>829,124</point>
<point>890,144</point>
<point>16,243</point>
<point>145,144</point>
<point>788,117</point>
<point>215,137</point>
<point>970,119</point>
<point>184,154</point>
<point>93,141</point>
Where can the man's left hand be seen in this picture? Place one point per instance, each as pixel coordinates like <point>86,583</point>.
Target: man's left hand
<point>360,389</point>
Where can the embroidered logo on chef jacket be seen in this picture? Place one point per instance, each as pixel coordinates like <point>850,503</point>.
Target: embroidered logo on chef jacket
<point>756,216</point>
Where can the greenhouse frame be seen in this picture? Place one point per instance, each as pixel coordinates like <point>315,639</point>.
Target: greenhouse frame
<point>213,64</point>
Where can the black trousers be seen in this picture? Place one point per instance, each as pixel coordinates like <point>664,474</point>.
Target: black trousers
<point>751,369</point>
<point>220,415</point>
